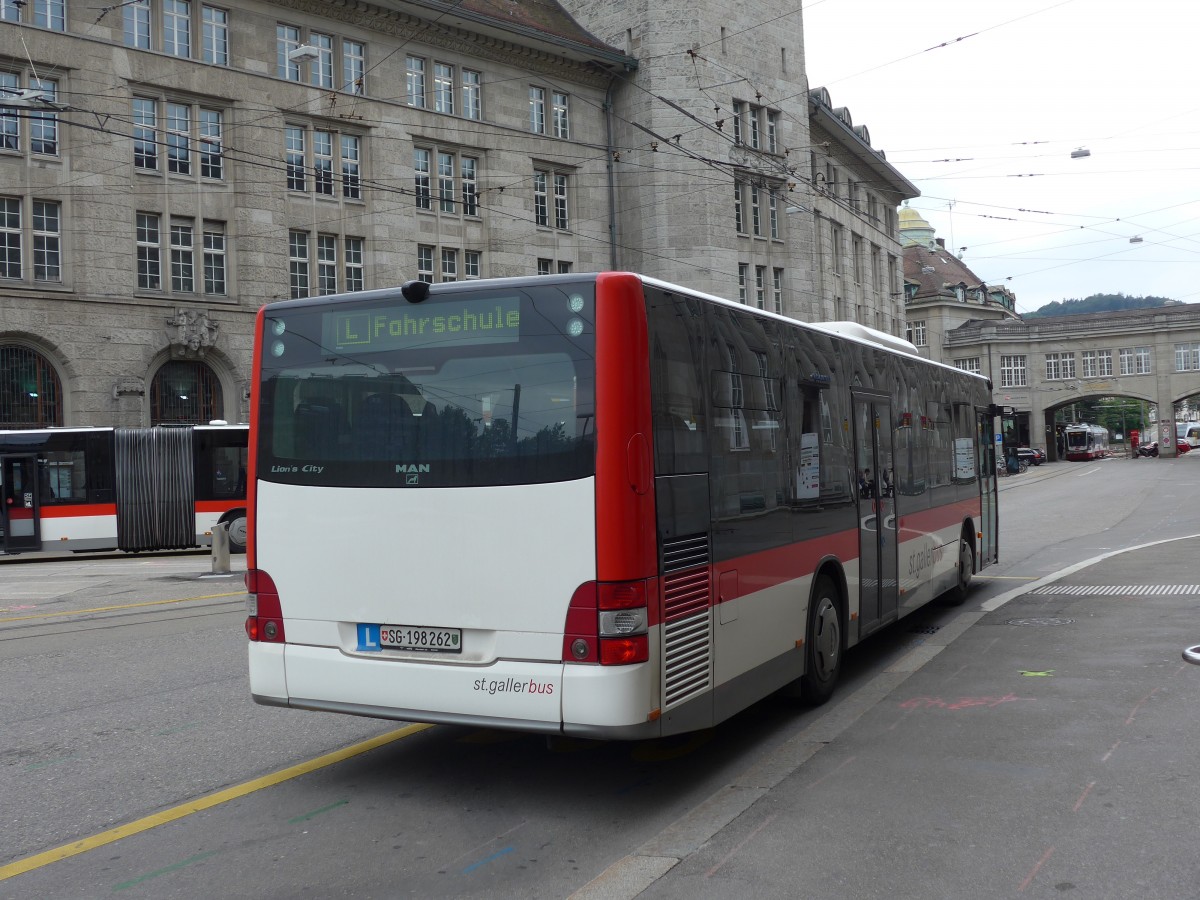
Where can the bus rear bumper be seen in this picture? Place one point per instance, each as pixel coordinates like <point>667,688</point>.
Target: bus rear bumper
<point>586,700</point>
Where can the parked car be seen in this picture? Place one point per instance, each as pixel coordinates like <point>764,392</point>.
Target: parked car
<point>1035,456</point>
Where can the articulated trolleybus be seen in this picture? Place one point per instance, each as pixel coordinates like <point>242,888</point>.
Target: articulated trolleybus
<point>598,505</point>
<point>159,488</point>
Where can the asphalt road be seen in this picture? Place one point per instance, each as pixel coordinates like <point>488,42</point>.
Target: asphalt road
<point>132,761</point>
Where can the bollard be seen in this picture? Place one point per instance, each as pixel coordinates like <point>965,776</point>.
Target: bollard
<point>220,549</point>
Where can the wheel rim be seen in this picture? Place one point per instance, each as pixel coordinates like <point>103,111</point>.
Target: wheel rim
<point>966,563</point>
<point>237,531</point>
<point>827,639</point>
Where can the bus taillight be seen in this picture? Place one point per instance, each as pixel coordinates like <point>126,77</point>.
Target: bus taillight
<point>607,623</point>
<point>265,619</point>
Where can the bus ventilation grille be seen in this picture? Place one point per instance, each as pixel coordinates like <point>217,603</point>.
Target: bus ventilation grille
<point>687,620</point>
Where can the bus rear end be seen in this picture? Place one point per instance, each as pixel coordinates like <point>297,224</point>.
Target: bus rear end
<point>426,542</point>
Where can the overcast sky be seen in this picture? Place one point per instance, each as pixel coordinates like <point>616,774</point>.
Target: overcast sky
<point>985,126</point>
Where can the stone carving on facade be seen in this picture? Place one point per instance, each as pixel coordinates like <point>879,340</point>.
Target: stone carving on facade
<point>407,28</point>
<point>129,386</point>
<point>191,333</point>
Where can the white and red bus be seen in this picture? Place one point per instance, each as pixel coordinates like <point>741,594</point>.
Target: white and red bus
<point>1086,442</point>
<point>599,505</point>
<point>137,489</point>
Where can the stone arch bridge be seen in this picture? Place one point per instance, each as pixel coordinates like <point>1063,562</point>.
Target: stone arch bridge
<point>1038,366</point>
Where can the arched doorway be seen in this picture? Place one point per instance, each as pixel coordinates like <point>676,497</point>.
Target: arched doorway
<point>185,392</point>
<point>30,390</point>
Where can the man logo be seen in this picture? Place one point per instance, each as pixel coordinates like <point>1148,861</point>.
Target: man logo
<point>412,479</point>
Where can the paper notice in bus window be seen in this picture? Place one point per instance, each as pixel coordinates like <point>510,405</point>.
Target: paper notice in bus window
<point>809,487</point>
<point>964,458</point>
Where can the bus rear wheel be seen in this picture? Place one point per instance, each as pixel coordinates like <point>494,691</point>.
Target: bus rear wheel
<point>824,644</point>
<point>236,521</point>
<point>965,569</point>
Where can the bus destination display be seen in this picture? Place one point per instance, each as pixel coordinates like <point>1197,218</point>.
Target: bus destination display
<point>494,320</point>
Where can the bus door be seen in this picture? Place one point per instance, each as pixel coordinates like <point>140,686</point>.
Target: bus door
<point>877,559</point>
<point>989,504</point>
<point>21,515</point>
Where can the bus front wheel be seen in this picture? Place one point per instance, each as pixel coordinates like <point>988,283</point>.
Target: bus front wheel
<point>824,644</point>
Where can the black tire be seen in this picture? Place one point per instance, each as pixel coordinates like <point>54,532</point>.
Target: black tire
<point>965,568</point>
<point>824,644</point>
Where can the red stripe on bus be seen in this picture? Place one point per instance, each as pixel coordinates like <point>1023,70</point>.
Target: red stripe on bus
<point>76,510</point>
<point>625,532</point>
<point>217,506</point>
<point>252,448</point>
<point>952,514</point>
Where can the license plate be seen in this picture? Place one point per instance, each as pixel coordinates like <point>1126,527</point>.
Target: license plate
<point>409,637</point>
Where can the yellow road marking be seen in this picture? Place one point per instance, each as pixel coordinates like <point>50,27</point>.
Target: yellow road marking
<point>29,863</point>
<point>96,609</point>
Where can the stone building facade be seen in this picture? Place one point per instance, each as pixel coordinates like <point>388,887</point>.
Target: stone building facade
<point>168,167</point>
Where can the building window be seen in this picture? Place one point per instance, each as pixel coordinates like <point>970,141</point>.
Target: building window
<point>183,259</point>
<point>1187,357</point>
<point>145,134</point>
<point>968,364</point>
<point>1104,363</point>
<point>415,81</point>
<point>45,240</point>
<point>43,125</point>
<point>772,132</point>
<point>355,266</point>
<point>1060,366</point>
<point>917,334</point>
<point>760,287</point>
<point>421,184</point>
<point>544,266</point>
<point>314,149</point>
<point>739,218</point>
<point>470,185</point>
<point>351,167</point>
<point>185,392</point>
<point>773,213</point>
<point>293,141</point>
<point>446,193</point>
<point>541,213</point>
<point>777,283</point>
<point>178,128</point>
<point>755,223</point>
<point>457,177</point>
<point>443,88</point>
<point>1088,363</point>
<point>559,106</point>
<point>354,67</point>
<point>320,70</point>
<point>177,28</point>
<point>743,279</point>
<point>136,22</point>
<point>298,264</point>
<point>561,220</point>
<point>287,39</point>
<point>50,14</point>
<point>564,267</point>
<point>149,252</point>
<point>472,101</point>
<point>1013,372</point>
<point>537,110</point>
<point>327,264</point>
<point>1135,360</point>
<point>472,264</point>
<point>180,19</point>
<point>739,111</point>
<point>449,265</point>
<point>215,265</point>
<point>425,263</point>
<point>214,36</point>
<point>30,390</point>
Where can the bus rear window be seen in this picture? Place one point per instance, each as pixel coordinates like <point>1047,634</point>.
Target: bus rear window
<point>467,388</point>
